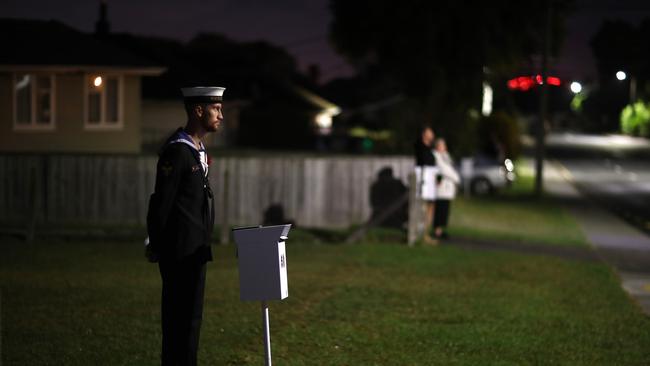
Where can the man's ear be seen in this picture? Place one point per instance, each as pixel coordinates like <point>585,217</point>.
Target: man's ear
<point>198,109</point>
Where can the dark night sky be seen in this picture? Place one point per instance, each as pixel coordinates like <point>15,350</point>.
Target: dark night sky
<point>300,25</point>
<point>576,61</point>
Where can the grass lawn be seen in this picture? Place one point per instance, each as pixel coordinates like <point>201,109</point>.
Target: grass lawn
<point>97,303</point>
<point>514,214</point>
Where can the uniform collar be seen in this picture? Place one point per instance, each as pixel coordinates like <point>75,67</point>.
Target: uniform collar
<point>182,137</point>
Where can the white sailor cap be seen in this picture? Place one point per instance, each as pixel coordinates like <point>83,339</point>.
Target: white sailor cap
<point>203,94</point>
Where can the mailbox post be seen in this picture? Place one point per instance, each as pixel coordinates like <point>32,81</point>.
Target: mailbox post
<point>262,269</point>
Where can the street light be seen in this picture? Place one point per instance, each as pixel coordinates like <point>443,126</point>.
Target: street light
<point>576,87</point>
<point>621,75</point>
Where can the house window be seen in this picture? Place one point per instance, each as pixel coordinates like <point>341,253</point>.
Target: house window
<point>103,101</point>
<point>33,101</point>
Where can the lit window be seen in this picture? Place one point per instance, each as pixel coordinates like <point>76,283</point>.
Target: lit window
<point>33,101</point>
<point>103,101</point>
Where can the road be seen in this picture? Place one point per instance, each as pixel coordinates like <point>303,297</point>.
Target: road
<point>613,170</point>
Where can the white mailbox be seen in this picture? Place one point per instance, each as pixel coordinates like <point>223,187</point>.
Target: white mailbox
<point>262,262</point>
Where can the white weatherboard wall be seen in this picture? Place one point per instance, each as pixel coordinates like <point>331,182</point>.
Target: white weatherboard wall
<point>314,191</point>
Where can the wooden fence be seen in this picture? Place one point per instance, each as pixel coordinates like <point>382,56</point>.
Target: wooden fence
<point>314,191</point>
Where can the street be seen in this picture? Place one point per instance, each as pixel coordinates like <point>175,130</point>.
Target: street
<point>612,174</point>
<point>612,170</point>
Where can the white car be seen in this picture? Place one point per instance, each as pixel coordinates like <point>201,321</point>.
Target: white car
<point>482,175</point>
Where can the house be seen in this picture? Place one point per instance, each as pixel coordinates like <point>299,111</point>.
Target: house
<point>62,90</point>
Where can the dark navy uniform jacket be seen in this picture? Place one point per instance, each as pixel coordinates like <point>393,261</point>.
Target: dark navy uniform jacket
<point>181,209</point>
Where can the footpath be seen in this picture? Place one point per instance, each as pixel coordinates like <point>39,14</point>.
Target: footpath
<point>617,243</point>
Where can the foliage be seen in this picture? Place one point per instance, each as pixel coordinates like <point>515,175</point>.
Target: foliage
<point>619,45</point>
<point>214,55</point>
<point>501,131</point>
<point>602,108</point>
<point>438,54</point>
<point>211,59</point>
<point>577,101</point>
<point>424,43</point>
<point>635,119</point>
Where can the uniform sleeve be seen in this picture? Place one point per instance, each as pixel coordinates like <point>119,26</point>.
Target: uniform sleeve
<point>169,171</point>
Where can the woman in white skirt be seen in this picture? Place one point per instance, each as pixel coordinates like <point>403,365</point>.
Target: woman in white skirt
<point>446,188</point>
<point>425,177</point>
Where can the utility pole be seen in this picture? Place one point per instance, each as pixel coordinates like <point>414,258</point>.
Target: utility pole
<point>543,105</point>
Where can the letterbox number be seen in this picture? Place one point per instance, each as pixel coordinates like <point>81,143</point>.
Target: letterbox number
<point>282,261</point>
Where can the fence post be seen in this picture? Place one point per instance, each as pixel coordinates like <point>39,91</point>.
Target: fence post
<point>416,212</point>
<point>37,198</point>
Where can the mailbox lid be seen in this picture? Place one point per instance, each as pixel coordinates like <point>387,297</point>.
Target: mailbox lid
<point>252,234</point>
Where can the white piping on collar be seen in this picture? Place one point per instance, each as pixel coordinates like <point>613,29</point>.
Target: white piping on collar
<point>183,141</point>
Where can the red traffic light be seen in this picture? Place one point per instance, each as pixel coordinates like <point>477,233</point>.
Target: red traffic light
<point>524,83</point>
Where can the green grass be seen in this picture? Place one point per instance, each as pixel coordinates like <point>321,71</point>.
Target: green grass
<point>524,220</point>
<point>93,303</point>
<point>514,214</point>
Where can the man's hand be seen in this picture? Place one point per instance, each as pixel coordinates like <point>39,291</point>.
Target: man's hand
<point>151,256</point>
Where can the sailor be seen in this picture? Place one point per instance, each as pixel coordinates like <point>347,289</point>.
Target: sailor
<point>180,222</point>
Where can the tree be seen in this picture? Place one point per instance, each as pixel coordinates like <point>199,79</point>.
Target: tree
<point>438,52</point>
<point>620,46</point>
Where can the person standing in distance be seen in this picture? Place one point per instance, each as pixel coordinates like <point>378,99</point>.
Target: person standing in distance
<point>446,190</point>
<point>425,177</point>
<point>180,222</point>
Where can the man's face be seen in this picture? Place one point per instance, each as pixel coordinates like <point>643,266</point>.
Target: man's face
<point>211,116</point>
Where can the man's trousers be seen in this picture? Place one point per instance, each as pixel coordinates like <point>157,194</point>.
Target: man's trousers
<point>183,285</point>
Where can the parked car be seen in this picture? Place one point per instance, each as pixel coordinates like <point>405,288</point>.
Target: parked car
<point>483,175</point>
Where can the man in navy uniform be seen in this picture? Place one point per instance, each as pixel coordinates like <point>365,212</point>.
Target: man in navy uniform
<point>180,222</point>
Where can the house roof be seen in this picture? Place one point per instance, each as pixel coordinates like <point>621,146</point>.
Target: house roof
<point>54,45</point>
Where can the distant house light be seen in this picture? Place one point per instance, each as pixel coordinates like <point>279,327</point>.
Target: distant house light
<point>324,120</point>
<point>103,105</point>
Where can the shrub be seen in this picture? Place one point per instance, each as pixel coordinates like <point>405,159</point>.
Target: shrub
<point>635,119</point>
<point>501,128</point>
